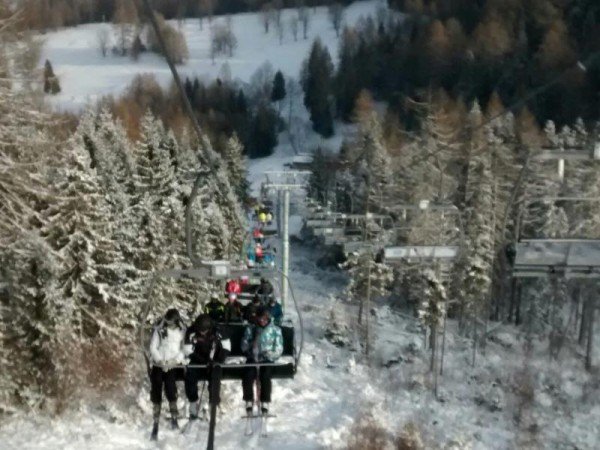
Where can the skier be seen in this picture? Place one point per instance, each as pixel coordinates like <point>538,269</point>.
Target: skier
<point>275,311</point>
<point>262,217</point>
<point>233,287</point>
<point>251,308</point>
<point>265,290</point>
<point>262,343</point>
<point>166,352</point>
<point>233,309</point>
<point>258,253</point>
<point>258,235</point>
<point>204,346</point>
<point>215,309</point>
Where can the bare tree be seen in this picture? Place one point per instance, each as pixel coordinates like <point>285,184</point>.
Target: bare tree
<point>277,12</point>
<point>336,16</point>
<point>266,16</point>
<point>206,8</point>
<point>124,19</point>
<point>280,29</point>
<point>304,18</point>
<point>294,26</point>
<point>102,37</point>
<point>223,41</point>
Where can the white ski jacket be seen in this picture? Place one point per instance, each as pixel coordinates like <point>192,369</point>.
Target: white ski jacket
<point>166,346</point>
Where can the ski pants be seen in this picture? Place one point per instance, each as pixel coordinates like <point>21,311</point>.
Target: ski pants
<point>158,378</point>
<point>266,384</point>
<point>193,375</point>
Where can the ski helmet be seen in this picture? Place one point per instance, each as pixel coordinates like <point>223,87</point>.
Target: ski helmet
<point>172,316</point>
<point>204,323</point>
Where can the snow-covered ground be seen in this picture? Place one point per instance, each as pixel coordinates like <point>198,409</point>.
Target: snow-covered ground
<point>510,399</point>
<point>86,76</point>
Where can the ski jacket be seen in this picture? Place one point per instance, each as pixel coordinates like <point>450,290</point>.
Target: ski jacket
<point>265,291</point>
<point>263,344</point>
<point>276,313</point>
<point>233,287</point>
<point>233,311</point>
<point>203,349</point>
<point>250,310</point>
<point>216,310</point>
<point>258,251</point>
<point>166,345</point>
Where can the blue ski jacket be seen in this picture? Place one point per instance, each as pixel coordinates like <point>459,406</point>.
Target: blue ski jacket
<point>263,344</point>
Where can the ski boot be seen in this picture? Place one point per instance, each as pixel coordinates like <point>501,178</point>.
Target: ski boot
<point>264,408</point>
<point>249,406</point>
<point>174,414</point>
<point>156,418</point>
<point>194,406</point>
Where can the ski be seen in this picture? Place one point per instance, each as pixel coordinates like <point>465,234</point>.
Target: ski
<point>263,425</point>
<point>190,423</point>
<point>248,431</point>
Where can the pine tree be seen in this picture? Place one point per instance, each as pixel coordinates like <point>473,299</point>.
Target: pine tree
<point>278,93</point>
<point>479,252</point>
<point>364,272</point>
<point>317,77</point>
<point>234,159</point>
<point>372,166</point>
<point>51,83</point>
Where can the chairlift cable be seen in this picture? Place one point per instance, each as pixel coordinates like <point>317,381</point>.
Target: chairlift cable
<point>208,155</point>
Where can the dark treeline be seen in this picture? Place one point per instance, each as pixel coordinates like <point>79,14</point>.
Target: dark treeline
<point>45,14</point>
<point>472,49</point>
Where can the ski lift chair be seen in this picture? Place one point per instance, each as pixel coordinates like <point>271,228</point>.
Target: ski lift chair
<point>285,368</point>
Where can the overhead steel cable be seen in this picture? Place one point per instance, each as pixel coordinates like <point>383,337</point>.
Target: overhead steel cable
<point>208,155</point>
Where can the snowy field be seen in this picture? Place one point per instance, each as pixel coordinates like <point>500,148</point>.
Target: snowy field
<point>86,76</point>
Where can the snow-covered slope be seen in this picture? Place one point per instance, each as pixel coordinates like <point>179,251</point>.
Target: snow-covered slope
<point>510,399</point>
<point>86,76</point>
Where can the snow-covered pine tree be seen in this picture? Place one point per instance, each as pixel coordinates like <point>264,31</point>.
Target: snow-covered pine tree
<point>233,156</point>
<point>372,165</point>
<point>479,225</point>
<point>368,278</point>
<point>432,305</point>
<point>81,229</point>
<point>426,171</point>
<point>34,325</point>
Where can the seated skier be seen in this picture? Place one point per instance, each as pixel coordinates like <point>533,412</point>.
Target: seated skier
<point>204,346</point>
<point>275,311</point>
<point>262,343</point>
<point>166,352</point>
<point>258,253</point>
<point>251,308</point>
<point>265,290</point>
<point>233,309</point>
<point>233,287</point>
<point>214,308</point>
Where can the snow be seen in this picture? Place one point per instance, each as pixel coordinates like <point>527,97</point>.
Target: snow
<point>86,76</point>
<point>487,406</point>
